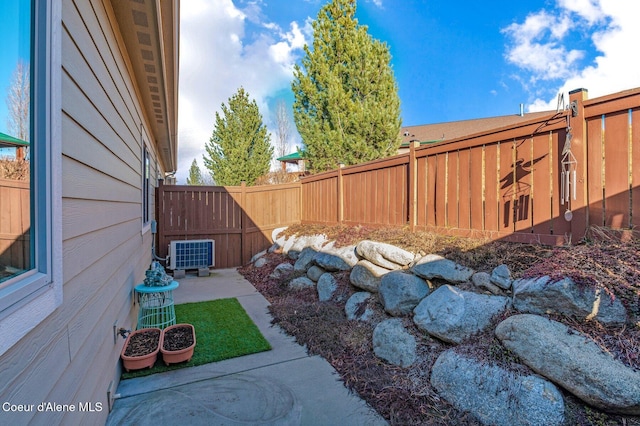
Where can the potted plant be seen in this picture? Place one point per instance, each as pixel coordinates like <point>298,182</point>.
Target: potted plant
<point>177,343</point>
<point>141,348</point>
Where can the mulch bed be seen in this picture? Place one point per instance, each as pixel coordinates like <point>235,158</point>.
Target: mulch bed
<point>404,395</point>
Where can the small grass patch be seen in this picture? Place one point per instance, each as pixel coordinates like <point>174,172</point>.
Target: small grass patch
<point>223,331</point>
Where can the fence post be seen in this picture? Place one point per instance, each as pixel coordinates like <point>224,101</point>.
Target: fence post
<point>413,185</point>
<point>579,206</point>
<point>244,222</point>
<point>340,196</point>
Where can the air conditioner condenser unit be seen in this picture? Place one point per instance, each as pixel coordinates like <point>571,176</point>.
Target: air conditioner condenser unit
<point>191,254</point>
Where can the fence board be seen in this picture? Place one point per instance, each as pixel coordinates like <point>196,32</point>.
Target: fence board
<point>452,184</point>
<point>432,172</point>
<point>616,170</point>
<point>476,187</point>
<point>594,169</point>
<point>491,188</point>
<point>464,194</point>
<point>635,148</point>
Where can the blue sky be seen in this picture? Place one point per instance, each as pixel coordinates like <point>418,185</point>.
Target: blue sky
<point>452,60</point>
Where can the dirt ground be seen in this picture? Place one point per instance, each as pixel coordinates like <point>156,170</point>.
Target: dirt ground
<point>404,395</point>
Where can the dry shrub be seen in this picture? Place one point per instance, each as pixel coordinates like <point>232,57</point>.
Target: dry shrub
<point>273,178</point>
<point>14,169</point>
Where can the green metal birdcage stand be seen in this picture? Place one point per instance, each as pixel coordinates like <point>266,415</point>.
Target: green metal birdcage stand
<point>156,305</point>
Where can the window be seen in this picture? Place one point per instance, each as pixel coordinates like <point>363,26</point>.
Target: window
<point>33,289</point>
<point>146,186</point>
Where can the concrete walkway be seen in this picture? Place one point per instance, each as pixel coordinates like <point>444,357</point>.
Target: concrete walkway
<point>283,386</point>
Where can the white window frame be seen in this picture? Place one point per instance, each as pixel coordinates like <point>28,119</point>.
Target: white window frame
<point>146,186</point>
<point>28,299</point>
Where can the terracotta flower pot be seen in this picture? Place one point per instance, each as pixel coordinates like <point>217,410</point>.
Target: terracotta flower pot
<point>177,343</point>
<point>141,349</point>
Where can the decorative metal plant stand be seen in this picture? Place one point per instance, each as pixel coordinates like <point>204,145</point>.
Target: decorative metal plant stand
<point>156,305</point>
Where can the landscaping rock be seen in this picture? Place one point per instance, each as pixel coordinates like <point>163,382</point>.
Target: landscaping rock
<point>304,241</point>
<point>496,396</point>
<point>501,276</point>
<point>282,270</point>
<point>275,236</point>
<point>260,262</point>
<point>482,280</point>
<point>347,253</point>
<point>565,297</point>
<point>573,361</point>
<point>400,292</point>
<point>258,256</point>
<point>315,272</point>
<point>393,343</point>
<point>327,286</point>
<point>305,259</point>
<point>301,283</point>
<point>367,276</point>
<point>384,255</point>
<point>453,315</point>
<point>331,262</point>
<point>435,266</point>
<point>356,307</point>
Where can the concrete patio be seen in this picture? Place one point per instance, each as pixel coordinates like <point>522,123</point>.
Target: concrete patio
<point>283,386</point>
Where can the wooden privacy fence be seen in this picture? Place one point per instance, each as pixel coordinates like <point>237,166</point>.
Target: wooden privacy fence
<point>239,219</point>
<point>15,223</point>
<point>504,183</point>
<point>507,183</point>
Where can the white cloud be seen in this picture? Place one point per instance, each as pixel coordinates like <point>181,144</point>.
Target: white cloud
<point>542,48</point>
<point>218,56</point>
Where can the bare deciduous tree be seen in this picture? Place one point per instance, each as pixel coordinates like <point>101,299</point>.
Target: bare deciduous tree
<point>283,124</point>
<point>18,100</point>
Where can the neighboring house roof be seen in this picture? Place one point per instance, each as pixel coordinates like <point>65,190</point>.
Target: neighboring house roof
<point>438,132</point>
<point>150,33</point>
<point>7,141</point>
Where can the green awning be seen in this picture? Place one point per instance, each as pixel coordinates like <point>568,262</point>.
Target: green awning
<point>7,141</point>
<point>294,156</point>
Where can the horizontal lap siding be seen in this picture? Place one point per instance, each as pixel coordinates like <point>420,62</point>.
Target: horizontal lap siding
<point>104,252</point>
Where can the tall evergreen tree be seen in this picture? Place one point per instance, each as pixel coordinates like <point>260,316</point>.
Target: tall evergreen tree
<point>195,175</point>
<point>239,148</point>
<point>346,107</point>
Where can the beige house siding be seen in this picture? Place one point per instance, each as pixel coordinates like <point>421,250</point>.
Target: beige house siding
<point>71,357</point>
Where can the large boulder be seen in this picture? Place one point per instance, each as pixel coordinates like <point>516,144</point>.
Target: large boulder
<point>384,255</point>
<point>400,293</point>
<point>357,306</point>
<point>496,396</point>
<point>454,315</point>
<point>326,287</point>
<point>501,276</point>
<point>393,343</point>
<point>305,259</point>
<point>315,272</point>
<point>346,253</point>
<point>301,283</point>
<point>482,280</point>
<point>367,276</point>
<point>331,262</point>
<point>435,266</point>
<point>282,270</point>
<point>573,361</point>
<point>544,296</point>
